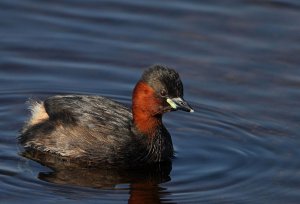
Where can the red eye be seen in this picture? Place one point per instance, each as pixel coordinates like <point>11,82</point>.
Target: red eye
<point>163,92</point>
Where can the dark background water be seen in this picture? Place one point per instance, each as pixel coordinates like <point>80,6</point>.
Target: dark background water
<point>239,61</point>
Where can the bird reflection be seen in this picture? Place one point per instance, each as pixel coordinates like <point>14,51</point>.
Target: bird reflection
<point>143,181</point>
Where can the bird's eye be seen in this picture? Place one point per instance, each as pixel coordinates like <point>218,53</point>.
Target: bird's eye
<point>163,92</point>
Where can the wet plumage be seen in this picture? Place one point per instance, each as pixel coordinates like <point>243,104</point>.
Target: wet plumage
<point>95,130</point>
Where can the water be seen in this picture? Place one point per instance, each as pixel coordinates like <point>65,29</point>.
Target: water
<point>239,61</point>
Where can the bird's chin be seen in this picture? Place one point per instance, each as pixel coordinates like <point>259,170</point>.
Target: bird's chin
<point>169,109</point>
<point>166,109</point>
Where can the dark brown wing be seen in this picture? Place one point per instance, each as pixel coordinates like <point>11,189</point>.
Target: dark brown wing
<point>81,126</point>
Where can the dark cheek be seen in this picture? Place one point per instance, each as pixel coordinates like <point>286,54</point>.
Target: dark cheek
<point>160,105</point>
<point>164,105</point>
<point>161,108</point>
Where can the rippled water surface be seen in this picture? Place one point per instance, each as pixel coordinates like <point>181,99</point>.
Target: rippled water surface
<point>239,62</point>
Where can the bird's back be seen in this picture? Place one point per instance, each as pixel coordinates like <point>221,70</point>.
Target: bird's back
<point>88,128</point>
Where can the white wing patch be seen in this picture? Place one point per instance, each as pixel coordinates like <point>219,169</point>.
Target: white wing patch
<point>38,113</point>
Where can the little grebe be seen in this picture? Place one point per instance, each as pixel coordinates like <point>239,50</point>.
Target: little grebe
<point>96,130</point>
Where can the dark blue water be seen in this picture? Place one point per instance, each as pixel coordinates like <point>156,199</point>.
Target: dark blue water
<point>239,62</point>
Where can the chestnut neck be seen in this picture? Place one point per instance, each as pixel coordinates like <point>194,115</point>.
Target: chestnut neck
<point>145,109</point>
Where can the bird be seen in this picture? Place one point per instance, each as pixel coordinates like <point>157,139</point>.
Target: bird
<point>92,130</point>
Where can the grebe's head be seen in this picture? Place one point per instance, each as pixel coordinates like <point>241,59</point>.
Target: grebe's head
<point>160,90</point>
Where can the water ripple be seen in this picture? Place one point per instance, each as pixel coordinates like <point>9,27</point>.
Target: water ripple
<point>239,64</point>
